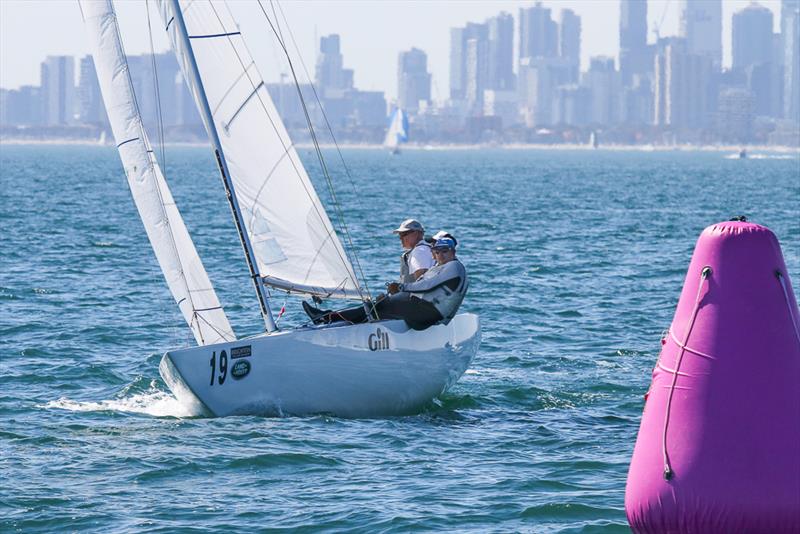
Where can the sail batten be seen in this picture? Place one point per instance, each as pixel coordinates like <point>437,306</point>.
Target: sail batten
<point>292,238</point>
<point>182,268</point>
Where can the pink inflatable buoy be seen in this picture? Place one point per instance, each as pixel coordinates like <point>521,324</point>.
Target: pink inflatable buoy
<point>719,444</point>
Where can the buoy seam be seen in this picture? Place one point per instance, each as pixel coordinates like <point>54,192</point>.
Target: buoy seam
<point>779,275</point>
<point>704,274</point>
<point>693,351</point>
<point>667,369</point>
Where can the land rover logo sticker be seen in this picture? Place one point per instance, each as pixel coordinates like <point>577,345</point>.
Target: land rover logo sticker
<point>240,369</point>
<point>241,352</point>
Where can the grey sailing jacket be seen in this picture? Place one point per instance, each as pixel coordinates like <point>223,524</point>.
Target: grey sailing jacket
<point>444,286</point>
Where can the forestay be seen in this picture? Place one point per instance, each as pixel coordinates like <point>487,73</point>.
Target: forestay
<point>295,245</point>
<point>176,254</point>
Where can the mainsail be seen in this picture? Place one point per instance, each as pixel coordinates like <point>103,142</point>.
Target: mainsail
<point>176,254</point>
<point>291,237</point>
<point>398,129</point>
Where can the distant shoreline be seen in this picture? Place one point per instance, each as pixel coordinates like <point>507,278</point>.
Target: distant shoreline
<point>439,147</point>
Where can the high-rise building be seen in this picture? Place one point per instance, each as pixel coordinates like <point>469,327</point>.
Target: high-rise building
<point>790,35</point>
<point>58,90</point>
<point>735,115</point>
<point>501,52</point>
<point>477,73</point>
<point>569,42</point>
<point>538,79</point>
<point>682,80</point>
<point>752,36</point>
<point>459,59</point>
<point>538,33</point>
<point>331,76</point>
<point>701,26</point>
<point>635,57</point>
<point>413,79</point>
<point>154,80</point>
<point>90,102</point>
<point>602,79</point>
<point>572,105</point>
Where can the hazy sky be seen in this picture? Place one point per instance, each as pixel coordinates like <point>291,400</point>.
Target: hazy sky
<point>373,32</point>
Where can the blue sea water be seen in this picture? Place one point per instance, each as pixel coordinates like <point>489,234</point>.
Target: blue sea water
<point>576,259</point>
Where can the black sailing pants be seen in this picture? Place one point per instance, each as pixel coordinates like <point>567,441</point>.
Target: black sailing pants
<point>417,313</point>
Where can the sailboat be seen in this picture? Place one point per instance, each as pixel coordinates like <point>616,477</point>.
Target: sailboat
<point>375,369</point>
<point>397,132</point>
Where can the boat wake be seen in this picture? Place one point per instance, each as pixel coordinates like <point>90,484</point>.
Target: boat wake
<point>761,156</point>
<point>154,401</point>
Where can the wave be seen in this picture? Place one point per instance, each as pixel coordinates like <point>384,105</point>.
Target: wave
<point>153,402</point>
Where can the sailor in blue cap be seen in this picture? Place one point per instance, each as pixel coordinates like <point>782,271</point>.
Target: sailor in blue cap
<point>434,298</point>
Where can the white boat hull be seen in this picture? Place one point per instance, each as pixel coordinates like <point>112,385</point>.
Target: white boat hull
<point>365,370</point>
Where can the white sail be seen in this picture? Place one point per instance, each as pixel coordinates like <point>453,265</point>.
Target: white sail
<point>295,246</point>
<point>176,254</point>
<point>398,130</point>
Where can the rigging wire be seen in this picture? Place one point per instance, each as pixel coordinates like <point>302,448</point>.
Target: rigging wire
<point>157,91</point>
<point>345,231</point>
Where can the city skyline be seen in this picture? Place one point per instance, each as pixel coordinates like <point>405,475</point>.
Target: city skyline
<point>504,85</point>
<point>373,69</point>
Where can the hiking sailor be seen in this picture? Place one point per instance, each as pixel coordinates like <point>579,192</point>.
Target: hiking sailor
<point>434,298</point>
<point>416,257</point>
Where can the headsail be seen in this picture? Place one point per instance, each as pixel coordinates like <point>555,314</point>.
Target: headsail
<point>398,129</point>
<point>174,249</point>
<point>294,243</point>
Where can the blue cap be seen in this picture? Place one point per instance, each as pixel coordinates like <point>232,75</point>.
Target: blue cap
<point>445,242</point>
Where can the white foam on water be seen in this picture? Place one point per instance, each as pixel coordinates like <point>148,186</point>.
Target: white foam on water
<point>152,402</point>
<point>761,156</point>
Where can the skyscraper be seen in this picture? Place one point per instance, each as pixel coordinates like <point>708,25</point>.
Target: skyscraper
<point>90,101</point>
<point>603,81</point>
<point>477,73</point>
<point>681,81</point>
<point>459,59</point>
<point>501,52</point>
<point>701,26</point>
<point>58,90</point>
<point>331,76</point>
<point>634,55</point>
<point>752,36</point>
<point>569,42</point>
<point>790,35</point>
<point>538,33</point>
<point>413,79</point>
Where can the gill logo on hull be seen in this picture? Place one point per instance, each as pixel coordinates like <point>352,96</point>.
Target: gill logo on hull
<point>378,340</point>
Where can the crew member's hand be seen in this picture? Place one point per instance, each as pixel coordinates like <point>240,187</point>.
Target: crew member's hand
<point>393,288</point>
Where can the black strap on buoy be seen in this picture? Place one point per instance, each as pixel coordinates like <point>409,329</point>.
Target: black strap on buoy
<point>739,218</point>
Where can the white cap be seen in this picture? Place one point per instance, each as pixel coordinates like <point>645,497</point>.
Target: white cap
<point>409,225</point>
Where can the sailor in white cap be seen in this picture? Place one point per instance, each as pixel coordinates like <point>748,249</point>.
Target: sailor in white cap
<point>434,298</point>
<point>416,257</point>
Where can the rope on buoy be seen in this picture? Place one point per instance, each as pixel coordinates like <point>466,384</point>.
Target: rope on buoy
<point>704,274</point>
<point>780,278</point>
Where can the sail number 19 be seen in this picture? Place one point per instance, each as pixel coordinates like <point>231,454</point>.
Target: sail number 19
<point>223,367</point>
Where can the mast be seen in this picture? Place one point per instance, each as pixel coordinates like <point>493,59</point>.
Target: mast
<point>205,110</point>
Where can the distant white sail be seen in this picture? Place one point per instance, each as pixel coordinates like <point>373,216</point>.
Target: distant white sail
<point>398,130</point>
<point>294,243</point>
<point>176,254</point>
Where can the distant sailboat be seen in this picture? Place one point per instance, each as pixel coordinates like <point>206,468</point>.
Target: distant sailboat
<point>373,369</point>
<point>397,132</point>
<point>594,141</point>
